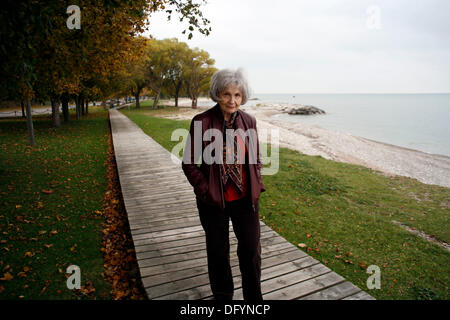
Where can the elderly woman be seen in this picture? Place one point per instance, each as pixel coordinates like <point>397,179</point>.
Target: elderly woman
<point>230,187</point>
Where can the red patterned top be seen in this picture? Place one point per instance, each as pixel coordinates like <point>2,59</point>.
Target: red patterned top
<point>231,192</point>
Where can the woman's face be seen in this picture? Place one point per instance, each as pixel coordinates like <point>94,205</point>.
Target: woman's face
<point>230,100</point>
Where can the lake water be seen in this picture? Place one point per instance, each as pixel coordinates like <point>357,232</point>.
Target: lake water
<point>415,121</point>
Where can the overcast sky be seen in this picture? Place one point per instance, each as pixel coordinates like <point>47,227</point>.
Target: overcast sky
<point>327,46</point>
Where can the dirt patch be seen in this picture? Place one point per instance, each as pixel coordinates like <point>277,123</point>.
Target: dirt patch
<point>423,235</point>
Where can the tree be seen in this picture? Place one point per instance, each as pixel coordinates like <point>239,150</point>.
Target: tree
<point>199,72</point>
<point>42,58</point>
<point>179,54</point>
<point>158,66</point>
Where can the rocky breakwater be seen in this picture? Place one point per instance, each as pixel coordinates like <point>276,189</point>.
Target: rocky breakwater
<point>302,110</point>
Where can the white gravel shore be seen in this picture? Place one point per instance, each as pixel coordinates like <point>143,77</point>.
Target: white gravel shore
<point>343,147</point>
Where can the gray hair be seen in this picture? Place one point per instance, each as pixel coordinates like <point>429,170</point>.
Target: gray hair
<point>226,77</point>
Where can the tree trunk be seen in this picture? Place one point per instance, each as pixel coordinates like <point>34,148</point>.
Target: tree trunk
<point>23,108</point>
<point>138,105</point>
<point>177,92</point>
<point>65,107</point>
<point>156,100</point>
<point>30,124</point>
<point>87,106</point>
<point>194,102</point>
<point>55,113</point>
<point>82,105</point>
<point>77,107</point>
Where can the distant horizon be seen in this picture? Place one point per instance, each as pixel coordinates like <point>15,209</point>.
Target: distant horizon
<point>353,93</point>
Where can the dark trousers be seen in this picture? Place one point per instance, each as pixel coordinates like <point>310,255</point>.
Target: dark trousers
<point>247,230</point>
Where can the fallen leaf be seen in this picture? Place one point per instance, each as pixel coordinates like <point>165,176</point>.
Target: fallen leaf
<point>46,286</point>
<point>302,245</point>
<point>7,277</point>
<point>47,191</point>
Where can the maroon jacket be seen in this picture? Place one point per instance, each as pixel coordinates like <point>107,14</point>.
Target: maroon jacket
<point>206,180</point>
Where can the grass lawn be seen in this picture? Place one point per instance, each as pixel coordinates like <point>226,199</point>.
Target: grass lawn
<point>342,215</point>
<point>50,194</point>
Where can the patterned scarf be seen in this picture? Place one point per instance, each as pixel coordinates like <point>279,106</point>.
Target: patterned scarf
<point>231,171</point>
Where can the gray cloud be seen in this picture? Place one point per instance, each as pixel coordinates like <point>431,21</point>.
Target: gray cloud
<point>326,46</point>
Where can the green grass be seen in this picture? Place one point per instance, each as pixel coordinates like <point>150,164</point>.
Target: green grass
<point>48,232</point>
<point>343,214</point>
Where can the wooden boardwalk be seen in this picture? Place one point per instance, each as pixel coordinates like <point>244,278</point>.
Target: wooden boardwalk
<point>169,239</point>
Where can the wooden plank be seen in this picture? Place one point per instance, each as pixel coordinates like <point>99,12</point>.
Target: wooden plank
<point>159,190</point>
<point>166,225</point>
<point>158,199</point>
<point>360,296</point>
<point>302,283</point>
<point>164,233</point>
<point>335,292</point>
<point>169,238</point>
<point>144,218</point>
<point>136,203</point>
<point>145,212</point>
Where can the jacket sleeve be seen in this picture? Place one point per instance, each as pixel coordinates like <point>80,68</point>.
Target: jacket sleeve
<point>190,168</point>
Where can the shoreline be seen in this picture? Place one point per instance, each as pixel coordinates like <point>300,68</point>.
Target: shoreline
<point>343,147</point>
